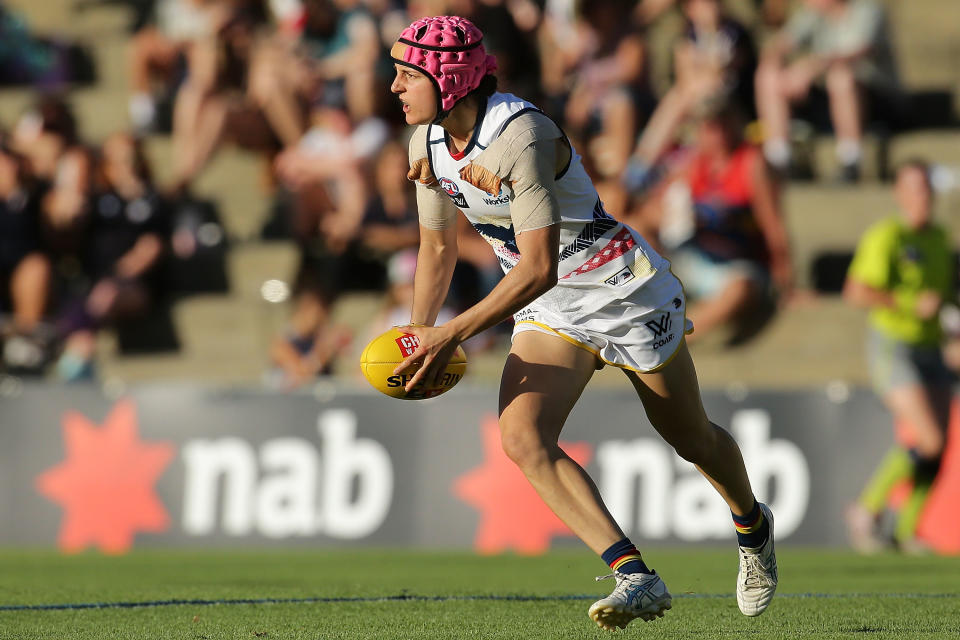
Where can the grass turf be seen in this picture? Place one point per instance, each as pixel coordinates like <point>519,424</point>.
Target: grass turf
<point>823,594</point>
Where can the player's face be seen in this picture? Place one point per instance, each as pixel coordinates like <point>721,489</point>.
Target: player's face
<point>914,196</point>
<point>417,94</point>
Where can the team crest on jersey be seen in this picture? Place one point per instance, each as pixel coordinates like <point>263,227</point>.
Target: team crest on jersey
<point>451,189</point>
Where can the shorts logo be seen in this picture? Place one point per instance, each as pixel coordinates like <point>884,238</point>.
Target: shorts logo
<point>624,276</point>
<point>661,327</point>
<point>676,303</point>
<point>451,189</point>
<point>408,343</point>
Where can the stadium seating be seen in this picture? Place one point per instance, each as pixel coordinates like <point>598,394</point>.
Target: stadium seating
<point>223,337</point>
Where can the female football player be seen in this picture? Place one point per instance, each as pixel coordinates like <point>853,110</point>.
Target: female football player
<point>584,291</point>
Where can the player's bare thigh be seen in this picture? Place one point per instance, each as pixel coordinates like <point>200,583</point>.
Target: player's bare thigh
<point>542,379</point>
<point>671,399</point>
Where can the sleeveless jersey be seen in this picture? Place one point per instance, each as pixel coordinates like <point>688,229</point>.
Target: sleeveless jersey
<point>601,259</point>
<point>723,203</point>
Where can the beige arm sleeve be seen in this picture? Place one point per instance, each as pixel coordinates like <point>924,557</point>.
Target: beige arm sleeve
<point>533,175</point>
<point>435,207</point>
<point>528,154</point>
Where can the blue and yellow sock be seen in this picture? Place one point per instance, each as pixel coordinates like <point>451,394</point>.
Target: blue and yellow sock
<point>752,529</point>
<point>623,557</point>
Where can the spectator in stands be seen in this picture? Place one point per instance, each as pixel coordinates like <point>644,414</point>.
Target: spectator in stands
<point>390,223</point>
<point>603,58</point>
<point>125,238</point>
<point>330,61</point>
<point>310,345</point>
<point>62,170</point>
<point>44,134</point>
<point>158,52</point>
<point>772,13</point>
<point>210,107</point>
<point>348,62</point>
<point>738,251</point>
<point>844,43</point>
<point>714,58</point>
<point>903,271</point>
<point>326,174</point>
<point>24,270</point>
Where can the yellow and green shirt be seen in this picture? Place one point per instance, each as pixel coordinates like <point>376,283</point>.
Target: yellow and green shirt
<point>903,261</point>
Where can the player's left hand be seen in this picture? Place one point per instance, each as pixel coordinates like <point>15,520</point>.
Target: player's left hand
<point>437,346</point>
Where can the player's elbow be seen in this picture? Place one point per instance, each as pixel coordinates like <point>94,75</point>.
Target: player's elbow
<point>544,277</point>
<point>550,278</point>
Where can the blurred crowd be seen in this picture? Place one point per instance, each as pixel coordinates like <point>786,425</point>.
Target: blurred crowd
<point>692,144</point>
<point>697,163</point>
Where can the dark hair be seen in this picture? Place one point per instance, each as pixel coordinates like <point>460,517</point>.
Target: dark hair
<point>725,113</point>
<point>141,167</point>
<point>57,117</point>
<point>23,168</point>
<point>486,88</point>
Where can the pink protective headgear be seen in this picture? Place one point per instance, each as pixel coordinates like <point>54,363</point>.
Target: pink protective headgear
<point>449,50</point>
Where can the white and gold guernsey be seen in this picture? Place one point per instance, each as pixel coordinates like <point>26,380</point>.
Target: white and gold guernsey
<point>615,296</point>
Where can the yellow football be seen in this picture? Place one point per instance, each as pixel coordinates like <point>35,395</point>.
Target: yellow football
<point>389,349</point>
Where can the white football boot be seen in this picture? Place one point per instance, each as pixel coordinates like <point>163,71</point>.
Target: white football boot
<point>637,595</point>
<point>757,578</point>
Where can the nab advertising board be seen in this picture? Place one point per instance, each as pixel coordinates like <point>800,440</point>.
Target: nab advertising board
<point>178,465</point>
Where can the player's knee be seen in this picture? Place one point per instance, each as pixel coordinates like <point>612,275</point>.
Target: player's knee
<point>523,446</point>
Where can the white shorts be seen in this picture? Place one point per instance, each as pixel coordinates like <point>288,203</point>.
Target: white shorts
<point>640,332</point>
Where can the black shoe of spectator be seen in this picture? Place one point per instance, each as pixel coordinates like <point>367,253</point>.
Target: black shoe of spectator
<point>848,174</point>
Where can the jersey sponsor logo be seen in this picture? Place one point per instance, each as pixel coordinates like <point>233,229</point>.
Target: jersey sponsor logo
<point>524,314</point>
<point>622,277</point>
<point>451,189</point>
<point>497,201</point>
<point>408,343</point>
